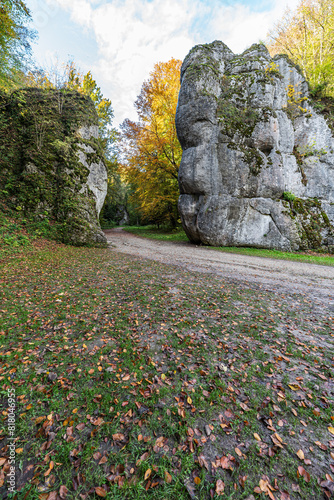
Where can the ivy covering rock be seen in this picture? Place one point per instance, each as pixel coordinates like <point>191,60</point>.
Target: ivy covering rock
<point>51,162</point>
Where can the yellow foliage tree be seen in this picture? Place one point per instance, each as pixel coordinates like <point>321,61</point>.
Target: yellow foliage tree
<point>150,150</point>
<point>307,37</point>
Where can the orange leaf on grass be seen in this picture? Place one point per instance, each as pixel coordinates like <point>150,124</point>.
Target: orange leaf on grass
<point>101,492</point>
<point>220,486</point>
<point>168,477</point>
<point>302,472</point>
<point>147,474</point>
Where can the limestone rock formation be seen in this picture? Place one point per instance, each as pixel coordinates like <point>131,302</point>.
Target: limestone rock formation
<point>258,159</point>
<point>51,162</point>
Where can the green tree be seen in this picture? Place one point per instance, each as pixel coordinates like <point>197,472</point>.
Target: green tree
<point>151,152</point>
<point>15,40</point>
<point>307,37</point>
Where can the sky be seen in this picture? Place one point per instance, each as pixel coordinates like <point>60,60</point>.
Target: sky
<point>119,41</point>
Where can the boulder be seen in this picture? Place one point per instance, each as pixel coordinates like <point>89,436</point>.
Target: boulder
<point>51,162</point>
<point>258,159</point>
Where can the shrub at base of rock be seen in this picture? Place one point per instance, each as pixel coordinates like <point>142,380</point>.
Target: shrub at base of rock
<point>51,162</point>
<point>251,137</point>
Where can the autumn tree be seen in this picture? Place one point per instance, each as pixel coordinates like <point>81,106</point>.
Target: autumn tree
<point>150,150</point>
<point>307,37</point>
<point>15,40</point>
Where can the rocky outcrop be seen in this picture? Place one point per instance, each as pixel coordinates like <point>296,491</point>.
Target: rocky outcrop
<point>258,159</point>
<point>51,163</point>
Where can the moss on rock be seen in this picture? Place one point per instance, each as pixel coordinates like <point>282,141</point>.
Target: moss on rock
<point>39,161</point>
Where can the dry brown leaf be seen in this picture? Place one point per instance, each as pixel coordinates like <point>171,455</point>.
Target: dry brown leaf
<point>321,445</point>
<point>197,480</point>
<point>63,492</point>
<point>101,492</point>
<point>220,486</point>
<point>257,437</point>
<point>302,472</point>
<point>118,437</point>
<point>168,477</point>
<point>52,496</point>
<point>225,463</point>
<point>300,454</point>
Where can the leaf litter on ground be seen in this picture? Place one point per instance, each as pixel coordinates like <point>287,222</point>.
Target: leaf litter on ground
<point>135,379</point>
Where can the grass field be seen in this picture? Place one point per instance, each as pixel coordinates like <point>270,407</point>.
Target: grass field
<point>137,380</point>
<point>179,235</point>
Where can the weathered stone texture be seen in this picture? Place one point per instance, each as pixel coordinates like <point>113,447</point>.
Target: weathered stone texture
<point>258,160</point>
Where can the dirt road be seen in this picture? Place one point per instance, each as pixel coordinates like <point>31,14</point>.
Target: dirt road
<point>285,277</point>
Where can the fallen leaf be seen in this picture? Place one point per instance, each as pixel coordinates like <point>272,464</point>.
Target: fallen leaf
<point>331,430</point>
<point>101,492</point>
<point>220,486</point>
<point>302,472</point>
<point>321,445</point>
<point>39,420</point>
<point>168,477</point>
<point>294,387</point>
<point>257,437</point>
<point>197,480</point>
<point>300,454</point>
<point>118,437</point>
<point>147,474</point>
<point>63,492</point>
<point>52,496</point>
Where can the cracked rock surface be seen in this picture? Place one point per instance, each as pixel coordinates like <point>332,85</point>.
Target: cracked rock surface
<point>258,160</point>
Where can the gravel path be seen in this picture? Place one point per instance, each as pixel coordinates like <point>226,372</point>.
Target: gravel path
<point>284,277</point>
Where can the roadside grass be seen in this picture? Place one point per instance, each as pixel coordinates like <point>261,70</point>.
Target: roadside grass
<point>20,234</point>
<point>179,235</point>
<point>137,380</point>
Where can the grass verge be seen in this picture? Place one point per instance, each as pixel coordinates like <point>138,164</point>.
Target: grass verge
<point>179,235</point>
<point>132,379</point>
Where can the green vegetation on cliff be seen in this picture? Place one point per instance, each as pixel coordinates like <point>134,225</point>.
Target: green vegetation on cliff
<point>40,172</point>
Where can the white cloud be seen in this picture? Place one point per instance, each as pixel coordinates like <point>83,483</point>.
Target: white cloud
<point>132,35</point>
<point>239,26</point>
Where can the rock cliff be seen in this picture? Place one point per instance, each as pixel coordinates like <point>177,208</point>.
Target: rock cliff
<point>51,164</point>
<point>258,159</point>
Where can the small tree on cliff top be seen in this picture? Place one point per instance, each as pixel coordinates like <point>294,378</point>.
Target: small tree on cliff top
<point>307,37</point>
